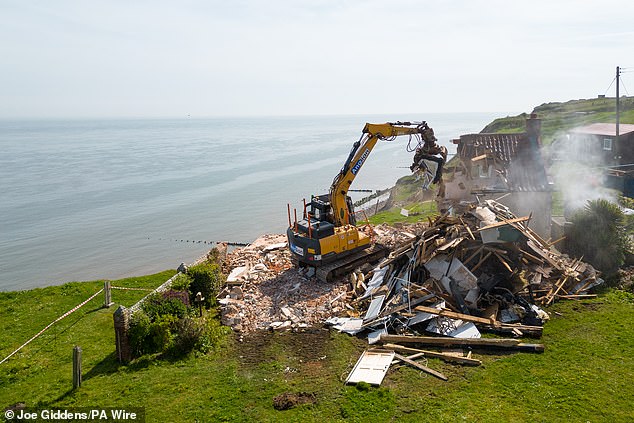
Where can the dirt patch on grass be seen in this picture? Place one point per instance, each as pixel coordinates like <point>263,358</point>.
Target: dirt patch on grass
<point>307,345</point>
<point>290,399</point>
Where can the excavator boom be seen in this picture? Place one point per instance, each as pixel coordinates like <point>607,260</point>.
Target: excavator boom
<point>327,237</point>
<point>361,149</point>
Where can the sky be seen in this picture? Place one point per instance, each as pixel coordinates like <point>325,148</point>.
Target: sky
<point>85,59</point>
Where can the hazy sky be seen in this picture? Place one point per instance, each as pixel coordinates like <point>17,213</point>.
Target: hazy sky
<point>285,57</point>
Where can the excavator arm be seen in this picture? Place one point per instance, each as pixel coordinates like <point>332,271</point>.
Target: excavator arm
<point>361,149</point>
<point>327,237</point>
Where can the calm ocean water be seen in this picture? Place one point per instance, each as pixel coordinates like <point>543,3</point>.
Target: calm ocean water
<point>83,200</point>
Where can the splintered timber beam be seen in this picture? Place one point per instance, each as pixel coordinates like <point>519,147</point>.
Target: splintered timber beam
<point>504,222</point>
<point>506,265</point>
<point>551,295</point>
<point>454,315</point>
<point>420,367</point>
<point>434,354</point>
<point>534,331</point>
<point>507,343</point>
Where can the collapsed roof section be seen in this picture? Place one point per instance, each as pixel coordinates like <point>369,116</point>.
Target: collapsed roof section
<point>503,162</point>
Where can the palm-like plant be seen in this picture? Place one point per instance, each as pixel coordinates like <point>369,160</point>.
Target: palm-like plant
<point>598,234</point>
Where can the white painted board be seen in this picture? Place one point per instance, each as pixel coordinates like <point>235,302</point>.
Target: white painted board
<point>371,367</point>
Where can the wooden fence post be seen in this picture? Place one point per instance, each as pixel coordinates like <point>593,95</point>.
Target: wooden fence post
<point>76,367</point>
<point>107,302</point>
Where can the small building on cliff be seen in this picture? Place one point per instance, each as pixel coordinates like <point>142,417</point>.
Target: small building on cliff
<point>597,146</point>
<point>597,143</point>
<point>507,168</point>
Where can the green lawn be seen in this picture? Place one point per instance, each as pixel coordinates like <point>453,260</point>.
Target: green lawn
<point>417,212</point>
<point>584,375</point>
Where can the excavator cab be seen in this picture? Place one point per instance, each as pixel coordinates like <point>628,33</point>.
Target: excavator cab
<point>317,225</point>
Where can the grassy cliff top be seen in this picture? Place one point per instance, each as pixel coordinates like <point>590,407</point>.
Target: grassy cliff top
<point>557,117</point>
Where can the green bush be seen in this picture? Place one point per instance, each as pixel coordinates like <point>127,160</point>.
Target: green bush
<point>138,333</point>
<point>598,234</point>
<point>160,337</point>
<point>166,325</point>
<point>157,305</point>
<point>181,282</point>
<point>206,279</point>
<point>212,335</point>
<point>187,335</point>
<point>214,256</point>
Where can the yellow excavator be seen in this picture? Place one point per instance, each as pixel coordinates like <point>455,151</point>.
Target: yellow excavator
<point>327,237</point>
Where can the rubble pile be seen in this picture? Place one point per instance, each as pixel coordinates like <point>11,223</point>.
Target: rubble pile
<point>484,270</point>
<point>394,235</point>
<point>264,291</point>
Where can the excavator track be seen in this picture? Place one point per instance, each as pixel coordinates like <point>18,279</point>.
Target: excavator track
<point>329,271</point>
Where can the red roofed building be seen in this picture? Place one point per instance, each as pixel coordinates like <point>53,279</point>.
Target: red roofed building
<point>597,143</point>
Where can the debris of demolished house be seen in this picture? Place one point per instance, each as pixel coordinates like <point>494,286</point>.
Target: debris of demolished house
<point>444,283</point>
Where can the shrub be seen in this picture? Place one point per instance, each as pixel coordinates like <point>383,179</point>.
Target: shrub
<point>181,282</point>
<point>214,256</point>
<point>206,279</point>
<point>160,337</point>
<point>138,333</point>
<point>212,335</point>
<point>598,234</point>
<point>158,305</point>
<point>188,332</point>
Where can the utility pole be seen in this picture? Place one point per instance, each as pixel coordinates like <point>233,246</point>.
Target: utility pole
<point>616,139</point>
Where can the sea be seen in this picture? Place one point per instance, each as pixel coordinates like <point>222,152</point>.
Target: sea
<point>113,198</point>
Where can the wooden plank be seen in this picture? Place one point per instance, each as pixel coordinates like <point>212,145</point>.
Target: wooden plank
<point>453,342</point>
<point>454,315</point>
<point>508,343</point>
<point>420,367</point>
<point>550,296</point>
<point>422,251</point>
<point>495,250</point>
<point>531,257</point>
<point>472,256</point>
<point>480,157</point>
<point>482,260</point>
<point>542,252</point>
<point>530,215</point>
<point>532,331</point>
<point>434,354</point>
<point>506,265</point>
<point>504,223</point>
<point>411,357</point>
<point>468,229</point>
<point>556,241</point>
<point>396,254</point>
<point>402,307</point>
<point>452,243</point>
<point>577,296</point>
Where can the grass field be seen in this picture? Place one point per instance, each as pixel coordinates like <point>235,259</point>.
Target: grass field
<point>584,375</point>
